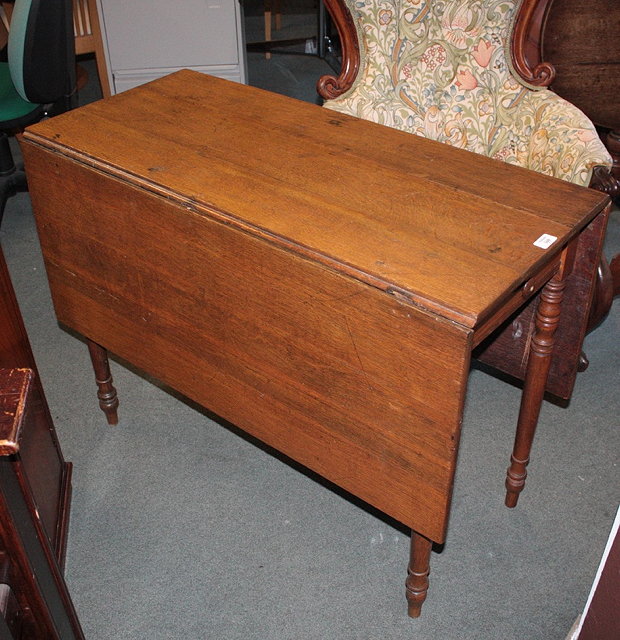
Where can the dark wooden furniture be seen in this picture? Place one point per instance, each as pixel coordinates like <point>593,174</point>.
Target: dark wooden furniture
<point>36,600</point>
<point>35,490</point>
<point>318,280</point>
<point>49,476</point>
<point>582,41</point>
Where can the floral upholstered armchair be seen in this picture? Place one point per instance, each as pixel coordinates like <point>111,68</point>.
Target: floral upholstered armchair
<point>443,69</point>
<point>469,73</point>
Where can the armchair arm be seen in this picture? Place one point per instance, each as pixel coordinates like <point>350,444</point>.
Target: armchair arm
<point>561,141</point>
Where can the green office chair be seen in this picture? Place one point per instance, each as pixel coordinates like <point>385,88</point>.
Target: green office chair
<point>37,81</point>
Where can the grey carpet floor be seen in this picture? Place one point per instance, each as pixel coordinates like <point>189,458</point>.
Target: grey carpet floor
<point>183,528</point>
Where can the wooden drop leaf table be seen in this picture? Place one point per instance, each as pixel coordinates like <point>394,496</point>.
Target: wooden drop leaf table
<point>319,281</point>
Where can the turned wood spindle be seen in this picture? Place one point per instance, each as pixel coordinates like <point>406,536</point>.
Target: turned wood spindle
<point>108,399</point>
<point>417,573</point>
<point>541,349</point>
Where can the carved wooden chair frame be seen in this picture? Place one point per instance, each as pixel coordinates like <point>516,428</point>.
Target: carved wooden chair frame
<point>525,51</point>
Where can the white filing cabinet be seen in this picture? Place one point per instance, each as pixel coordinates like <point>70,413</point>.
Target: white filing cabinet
<point>146,39</point>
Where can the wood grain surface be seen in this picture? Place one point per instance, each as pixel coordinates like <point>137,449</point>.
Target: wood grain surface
<point>316,279</point>
<point>582,41</point>
<point>394,210</point>
<point>327,370</point>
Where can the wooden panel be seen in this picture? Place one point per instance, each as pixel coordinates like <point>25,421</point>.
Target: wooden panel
<point>15,348</point>
<point>29,566</point>
<point>582,40</point>
<point>48,473</point>
<point>421,217</point>
<point>348,380</point>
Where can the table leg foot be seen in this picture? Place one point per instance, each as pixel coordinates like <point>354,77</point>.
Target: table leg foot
<point>515,480</point>
<point>108,399</point>
<point>417,573</point>
<point>541,349</point>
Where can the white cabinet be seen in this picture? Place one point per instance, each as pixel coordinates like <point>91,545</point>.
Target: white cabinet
<point>146,39</point>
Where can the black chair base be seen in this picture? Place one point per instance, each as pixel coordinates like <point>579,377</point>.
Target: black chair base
<point>12,176</point>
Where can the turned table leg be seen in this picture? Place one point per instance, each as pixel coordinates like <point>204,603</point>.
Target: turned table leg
<point>541,349</point>
<point>108,400</point>
<point>417,573</point>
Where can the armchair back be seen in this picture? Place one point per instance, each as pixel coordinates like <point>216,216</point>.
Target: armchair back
<point>446,70</point>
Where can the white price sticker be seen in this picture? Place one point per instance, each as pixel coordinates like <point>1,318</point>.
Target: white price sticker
<point>545,241</point>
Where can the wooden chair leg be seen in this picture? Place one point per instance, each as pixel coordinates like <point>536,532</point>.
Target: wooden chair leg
<point>108,399</point>
<point>541,349</point>
<point>278,14</point>
<point>417,573</point>
<point>267,15</point>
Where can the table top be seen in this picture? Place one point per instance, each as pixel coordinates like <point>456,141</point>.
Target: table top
<point>451,231</point>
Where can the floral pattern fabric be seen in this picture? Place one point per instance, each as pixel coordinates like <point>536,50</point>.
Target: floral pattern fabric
<point>440,69</point>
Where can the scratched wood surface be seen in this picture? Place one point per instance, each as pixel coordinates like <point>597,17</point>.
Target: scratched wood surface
<point>357,385</point>
<point>392,209</point>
